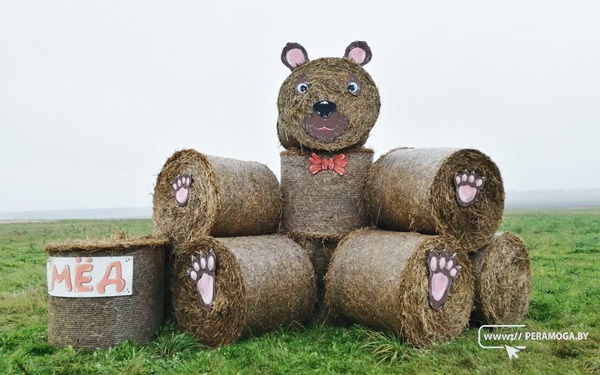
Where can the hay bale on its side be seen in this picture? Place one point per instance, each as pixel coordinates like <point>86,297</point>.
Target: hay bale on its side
<point>215,196</point>
<point>101,322</point>
<point>324,204</point>
<point>414,190</point>
<point>261,283</point>
<point>502,281</point>
<point>380,279</point>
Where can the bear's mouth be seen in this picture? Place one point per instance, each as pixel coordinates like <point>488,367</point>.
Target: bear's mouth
<point>325,129</point>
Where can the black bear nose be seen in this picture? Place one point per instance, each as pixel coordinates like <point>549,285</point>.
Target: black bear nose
<point>324,108</point>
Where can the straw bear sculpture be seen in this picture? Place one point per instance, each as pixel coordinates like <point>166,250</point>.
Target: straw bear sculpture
<point>327,108</point>
<point>388,241</point>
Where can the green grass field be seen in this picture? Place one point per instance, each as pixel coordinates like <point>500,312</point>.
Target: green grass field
<point>564,249</point>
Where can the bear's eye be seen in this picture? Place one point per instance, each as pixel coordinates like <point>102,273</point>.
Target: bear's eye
<point>353,88</point>
<point>302,87</point>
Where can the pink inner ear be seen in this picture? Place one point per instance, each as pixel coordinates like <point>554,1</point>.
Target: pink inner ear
<point>357,55</point>
<point>295,57</point>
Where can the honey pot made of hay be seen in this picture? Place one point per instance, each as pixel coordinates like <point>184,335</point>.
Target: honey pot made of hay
<point>104,292</point>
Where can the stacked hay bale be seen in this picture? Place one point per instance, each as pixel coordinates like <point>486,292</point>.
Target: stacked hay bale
<point>503,281</point>
<point>327,108</point>
<point>411,189</point>
<point>380,279</point>
<point>230,275</point>
<point>197,194</point>
<point>324,205</point>
<point>261,282</point>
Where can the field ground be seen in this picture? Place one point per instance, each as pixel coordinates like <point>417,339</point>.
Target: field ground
<point>564,250</point>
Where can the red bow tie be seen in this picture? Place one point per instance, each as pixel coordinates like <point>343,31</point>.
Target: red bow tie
<point>337,164</point>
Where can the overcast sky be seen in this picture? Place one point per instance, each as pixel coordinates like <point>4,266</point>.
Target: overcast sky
<point>96,95</point>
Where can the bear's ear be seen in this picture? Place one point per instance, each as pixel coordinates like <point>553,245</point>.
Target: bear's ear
<point>293,55</point>
<point>359,52</point>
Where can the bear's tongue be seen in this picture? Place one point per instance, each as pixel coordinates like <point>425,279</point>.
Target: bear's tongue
<point>325,129</point>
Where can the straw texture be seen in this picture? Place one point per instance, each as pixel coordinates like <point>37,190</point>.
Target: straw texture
<point>413,190</point>
<point>261,283</point>
<point>319,251</point>
<point>104,322</point>
<point>227,197</point>
<point>327,79</point>
<point>324,205</point>
<point>502,281</point>
<point>380,279</point>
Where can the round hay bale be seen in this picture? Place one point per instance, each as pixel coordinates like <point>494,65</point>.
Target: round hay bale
<point>198,194</point>
<point>380,279</point>
<point>415,190</point>
<point>101,322</point>
<point>327,79</point>
<point>324,203</point>
<point>502,281</point>
<point>260,283</point>
<point>319,251</point>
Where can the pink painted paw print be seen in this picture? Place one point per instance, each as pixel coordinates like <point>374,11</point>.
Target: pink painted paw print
<point>180,187</point>
<point>442,271</point>
<point>468,185</point>
<point>202,273</point>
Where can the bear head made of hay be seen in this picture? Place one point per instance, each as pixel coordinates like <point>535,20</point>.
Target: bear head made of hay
<point>327,104</point>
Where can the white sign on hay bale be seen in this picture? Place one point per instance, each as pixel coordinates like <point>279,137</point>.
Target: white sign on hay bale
<point>79,277</point>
